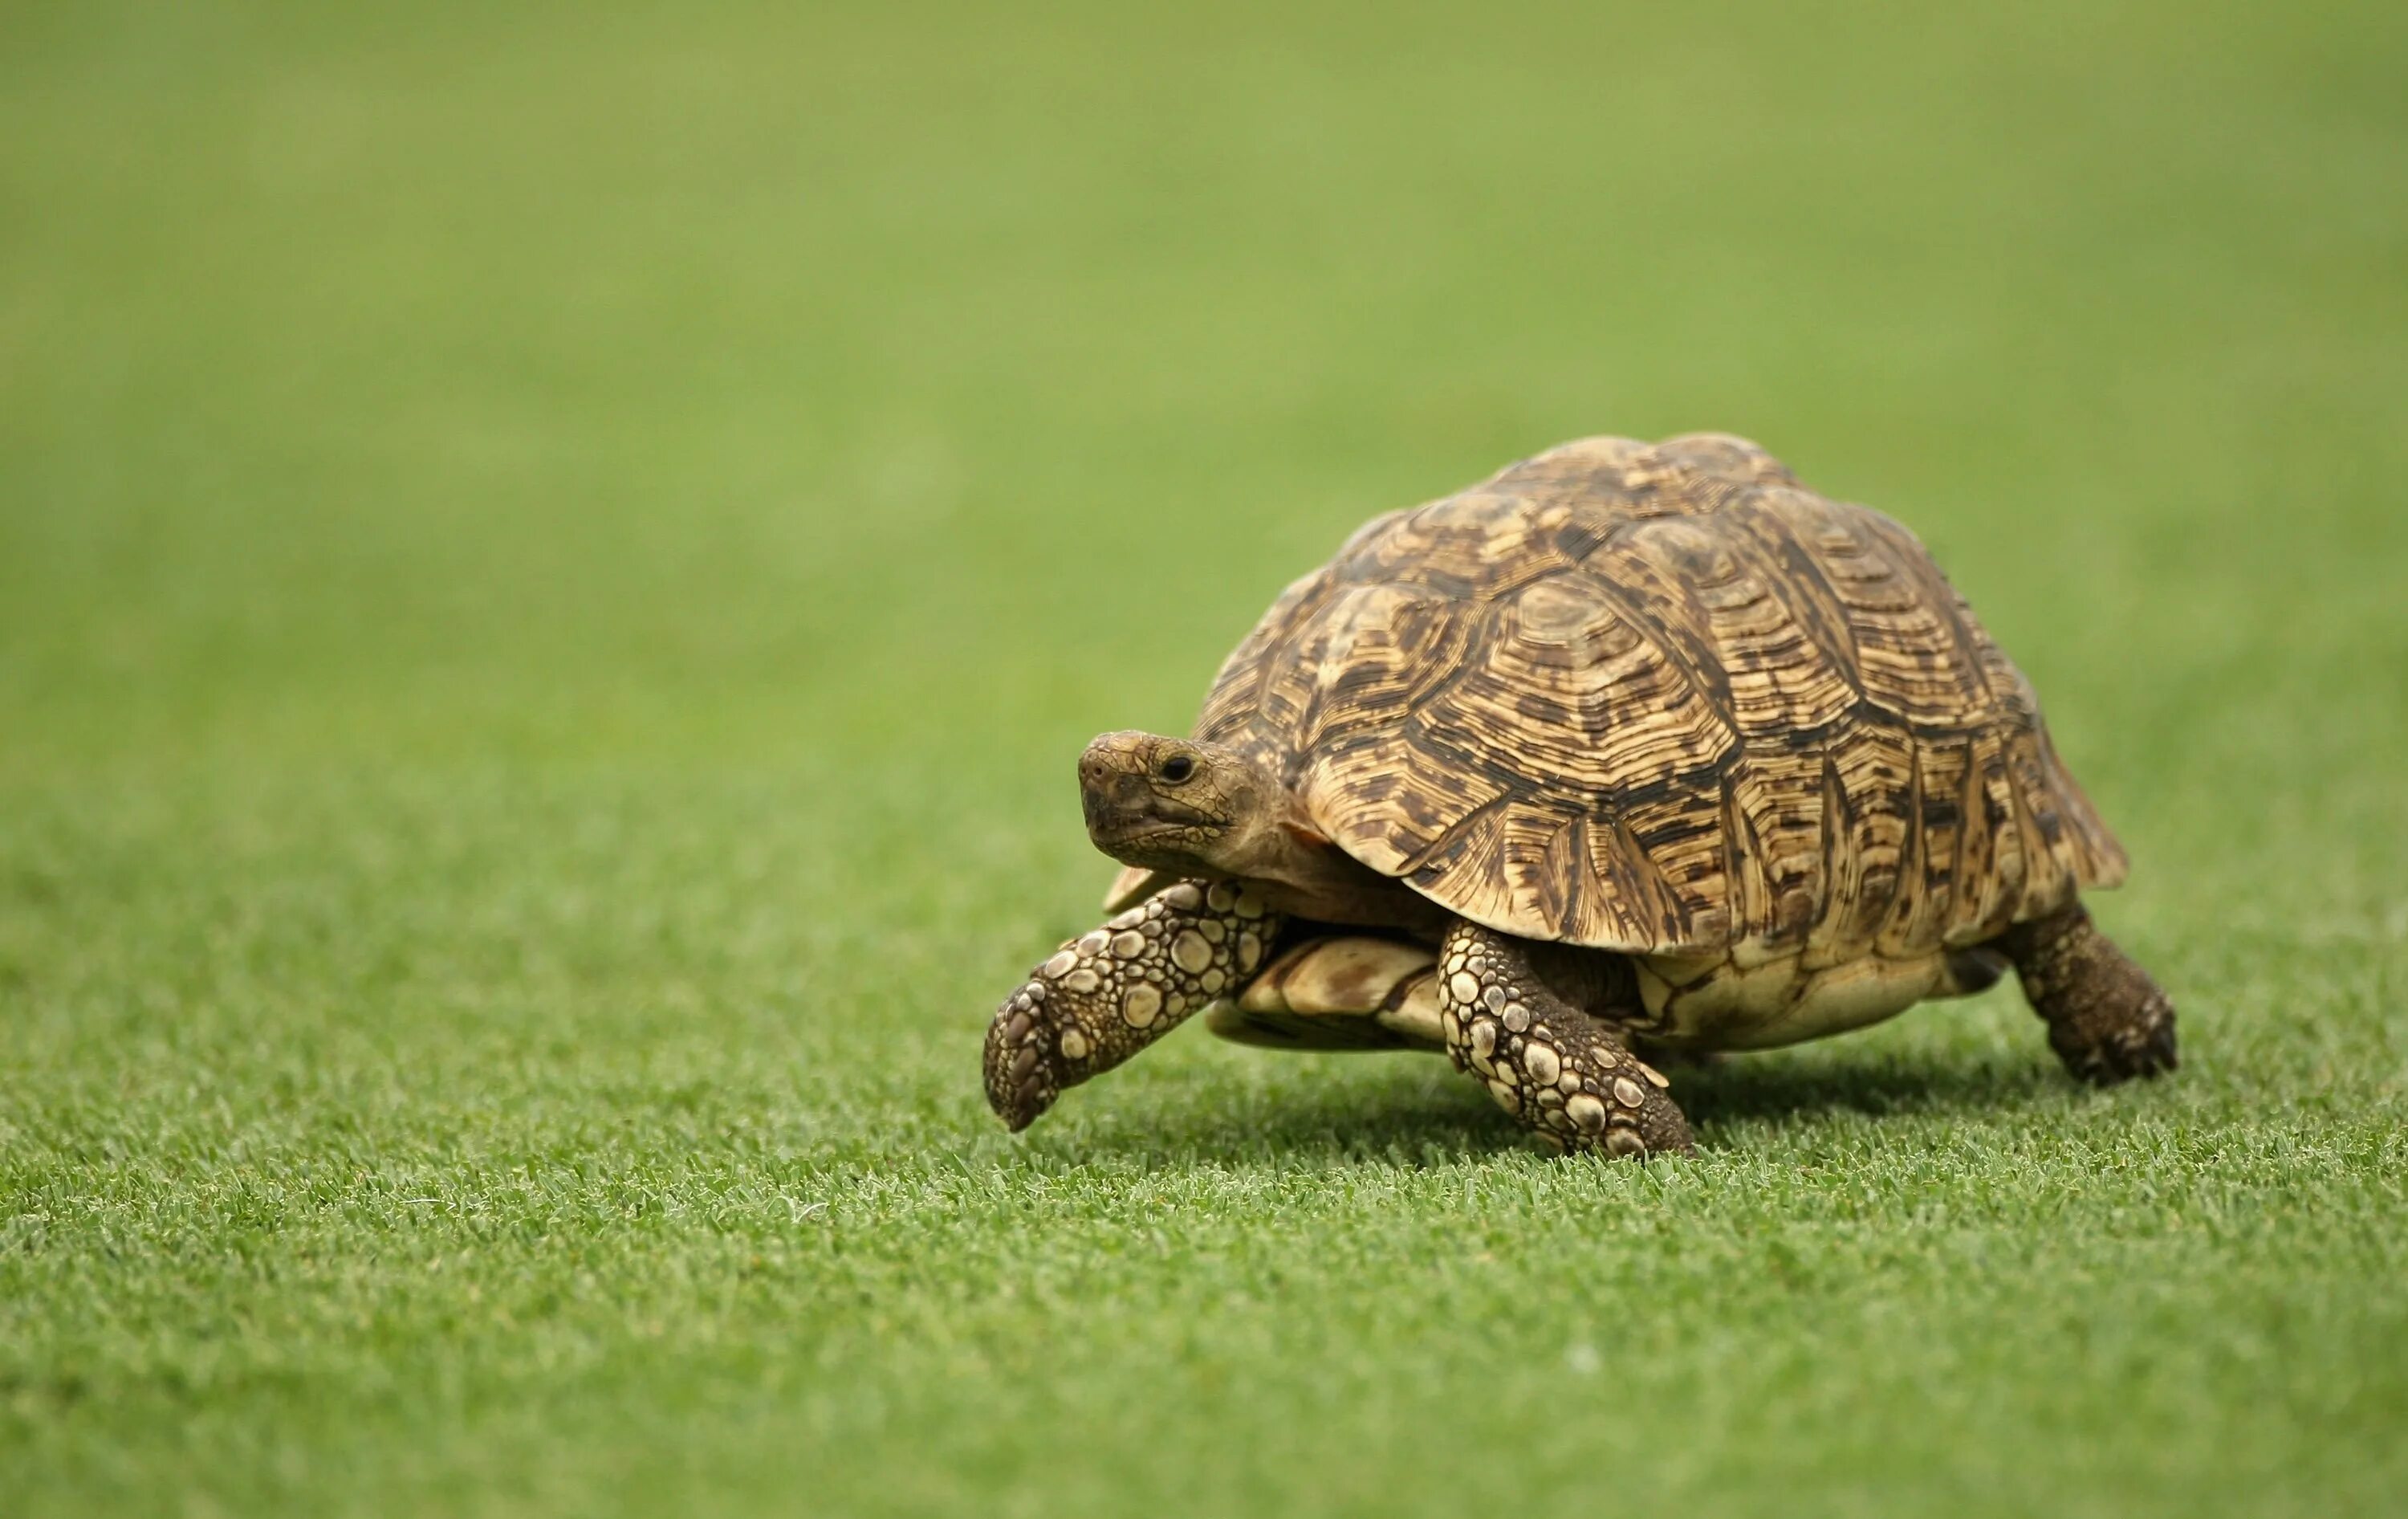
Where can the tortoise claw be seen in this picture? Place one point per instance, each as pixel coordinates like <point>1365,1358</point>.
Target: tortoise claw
<point>1022,1081</point>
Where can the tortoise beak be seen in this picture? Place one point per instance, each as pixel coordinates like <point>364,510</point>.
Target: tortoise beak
<point>1126,814</point>
<point>1115,802</point>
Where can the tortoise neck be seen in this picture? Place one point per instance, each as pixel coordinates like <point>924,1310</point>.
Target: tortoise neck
<point>1302,872</point>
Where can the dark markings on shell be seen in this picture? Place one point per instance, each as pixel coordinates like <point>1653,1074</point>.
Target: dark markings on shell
<point>1663,698</point>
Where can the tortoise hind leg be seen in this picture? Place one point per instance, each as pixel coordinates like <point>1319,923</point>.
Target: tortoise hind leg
<point>1341,992</point>
<point>1567,1076</point>
<point>2106,1019</point>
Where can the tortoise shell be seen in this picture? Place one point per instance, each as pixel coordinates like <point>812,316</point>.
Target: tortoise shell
<point>1663,699</point>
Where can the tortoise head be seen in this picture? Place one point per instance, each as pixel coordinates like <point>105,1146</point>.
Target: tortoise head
<point>1180,804</point>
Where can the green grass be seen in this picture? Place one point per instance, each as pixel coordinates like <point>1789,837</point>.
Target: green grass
<point>553,565</point>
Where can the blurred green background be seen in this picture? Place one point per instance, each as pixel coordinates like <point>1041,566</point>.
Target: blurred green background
<point>554,560</point>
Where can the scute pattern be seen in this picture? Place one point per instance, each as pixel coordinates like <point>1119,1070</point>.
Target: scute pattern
<point>1662,699</point>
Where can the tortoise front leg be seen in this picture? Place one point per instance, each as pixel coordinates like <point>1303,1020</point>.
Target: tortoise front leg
<point>1104,996</point>
<point>1567,1076</point>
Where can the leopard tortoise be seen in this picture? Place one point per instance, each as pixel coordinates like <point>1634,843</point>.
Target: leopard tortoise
<point>1627,750</point>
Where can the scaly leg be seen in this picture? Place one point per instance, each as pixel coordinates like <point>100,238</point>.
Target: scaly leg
<point>1566,1075</point>
<point>2106,1019</point>
<point>1103,997</point>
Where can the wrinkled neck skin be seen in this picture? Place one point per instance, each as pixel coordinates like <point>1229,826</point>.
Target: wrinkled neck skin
<point>1301,873</point>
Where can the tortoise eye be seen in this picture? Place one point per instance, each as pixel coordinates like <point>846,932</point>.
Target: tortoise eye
<point>1177,769</point>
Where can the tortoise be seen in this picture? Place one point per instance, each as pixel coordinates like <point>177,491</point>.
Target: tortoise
<point>1627,751</point>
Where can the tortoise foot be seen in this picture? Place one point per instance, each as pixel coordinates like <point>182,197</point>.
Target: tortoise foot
<point>1566,1076</point>
<point>2107,1019</point>
<point>1109,993</point>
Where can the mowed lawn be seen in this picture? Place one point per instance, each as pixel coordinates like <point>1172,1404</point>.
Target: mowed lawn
<point>553,561</point>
